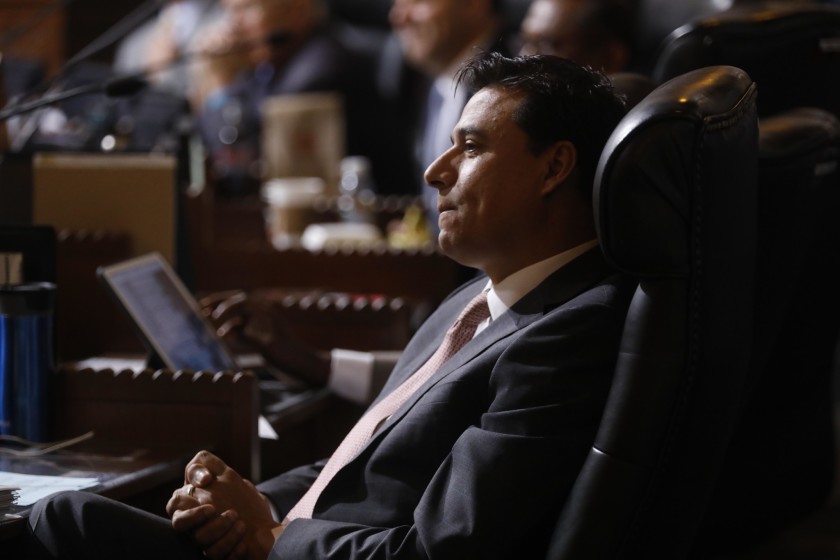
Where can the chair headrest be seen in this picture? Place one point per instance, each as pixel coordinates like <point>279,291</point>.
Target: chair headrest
<point>633,86</point>
<point>680,152</point>
<point>791,50</point>
<point>798,133</point>
<point>799,169</point>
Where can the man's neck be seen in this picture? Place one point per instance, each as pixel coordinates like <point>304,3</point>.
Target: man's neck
<point>513,287</point>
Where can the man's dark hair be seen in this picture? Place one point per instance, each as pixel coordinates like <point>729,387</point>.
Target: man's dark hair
<point>563,101</point>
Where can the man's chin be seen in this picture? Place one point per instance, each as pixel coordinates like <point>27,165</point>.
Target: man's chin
<point>449,245</point>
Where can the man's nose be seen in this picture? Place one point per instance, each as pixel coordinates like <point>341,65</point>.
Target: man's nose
<point>441,173</point>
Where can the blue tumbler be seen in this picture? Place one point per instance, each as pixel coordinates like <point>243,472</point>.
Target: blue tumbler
<point>27,365</point>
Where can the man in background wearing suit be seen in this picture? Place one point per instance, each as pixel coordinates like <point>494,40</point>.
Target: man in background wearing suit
<point>273,47</point>
<point>477,437</point>
<point>434,38</point>
<point>157,45</point>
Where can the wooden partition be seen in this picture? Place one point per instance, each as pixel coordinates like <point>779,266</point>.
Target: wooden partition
<point>135,194</point>
<point>35,30</point>
<point>329,320</point>
<point>88,322</point>
<point>216,411</point>
<point>230,250</point>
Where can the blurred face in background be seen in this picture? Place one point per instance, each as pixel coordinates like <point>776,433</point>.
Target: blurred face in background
<point>568,28</point>
<point>433,33</point>
<point>252,21</point>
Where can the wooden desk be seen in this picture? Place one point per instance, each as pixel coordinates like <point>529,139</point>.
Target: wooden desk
<point>142,477</point>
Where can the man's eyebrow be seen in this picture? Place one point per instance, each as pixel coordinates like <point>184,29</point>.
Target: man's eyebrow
<point>467,131</point>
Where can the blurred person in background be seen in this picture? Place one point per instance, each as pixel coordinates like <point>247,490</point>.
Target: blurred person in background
<point>164,44</point>
<point>266,48</point>
<point>434,37</point>
<point>596,33</point>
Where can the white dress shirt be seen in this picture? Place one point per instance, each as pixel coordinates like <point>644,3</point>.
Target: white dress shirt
<point>352,372</point>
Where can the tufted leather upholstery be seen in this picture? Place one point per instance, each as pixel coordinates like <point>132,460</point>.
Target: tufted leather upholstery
<point>791,50</point>
<point>675,205</point>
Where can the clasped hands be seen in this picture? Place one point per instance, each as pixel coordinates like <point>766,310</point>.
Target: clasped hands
<point>224,514</point>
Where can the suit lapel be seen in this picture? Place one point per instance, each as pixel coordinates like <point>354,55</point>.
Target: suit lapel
<point>561,286</point>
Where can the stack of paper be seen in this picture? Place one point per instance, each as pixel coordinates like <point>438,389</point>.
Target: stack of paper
<point>8,497</point>
<point>30,488</point>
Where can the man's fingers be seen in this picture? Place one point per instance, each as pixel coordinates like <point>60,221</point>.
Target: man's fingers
<point>182,498</point>
<point>204,469</point>
<point>239,552</point>
<point>189,519</point>
<point>229,326</point>
<point>220,536</point>
<point>210,302</point>
<point>231,306</point>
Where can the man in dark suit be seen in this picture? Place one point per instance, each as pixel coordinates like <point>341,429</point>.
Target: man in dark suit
<point>292,49</point>
<point>476,458</point>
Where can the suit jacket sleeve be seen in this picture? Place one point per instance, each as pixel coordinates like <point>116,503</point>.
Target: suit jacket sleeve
<point>500,489</point>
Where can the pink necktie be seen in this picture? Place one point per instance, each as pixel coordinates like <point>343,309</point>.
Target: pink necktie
<point>458,335</point>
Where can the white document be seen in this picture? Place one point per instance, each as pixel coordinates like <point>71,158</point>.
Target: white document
<point>32,488</point>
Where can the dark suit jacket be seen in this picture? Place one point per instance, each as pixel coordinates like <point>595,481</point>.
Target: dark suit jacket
<point>478,463</point>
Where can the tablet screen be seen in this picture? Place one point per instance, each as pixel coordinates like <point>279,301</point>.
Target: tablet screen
<point>166,314</point>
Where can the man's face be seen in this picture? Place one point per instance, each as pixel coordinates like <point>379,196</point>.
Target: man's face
<point>489,184</point>
<point>246,18</point>
<point>553,27</point>
<point>431,32</point>
<point>252,21</point>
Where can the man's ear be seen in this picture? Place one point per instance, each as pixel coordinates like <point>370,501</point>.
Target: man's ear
<point>561,160</point>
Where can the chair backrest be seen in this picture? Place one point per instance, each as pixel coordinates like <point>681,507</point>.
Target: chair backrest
<point>791,50</point>
<point>634,86</point>
<point>675,206</point>
<point>780,465</point>
<point>655,19</point>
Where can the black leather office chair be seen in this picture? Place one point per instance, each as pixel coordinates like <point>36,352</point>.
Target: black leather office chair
<point>781,465</point>
<point>675,206</point>
<point>790,49</point>
<point>655,19</point>
<point>634,86</point>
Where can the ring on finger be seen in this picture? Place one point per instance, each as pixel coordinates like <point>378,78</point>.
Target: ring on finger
<point>190,490</point>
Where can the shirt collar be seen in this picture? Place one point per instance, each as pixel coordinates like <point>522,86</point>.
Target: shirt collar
<point>506,293</point>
